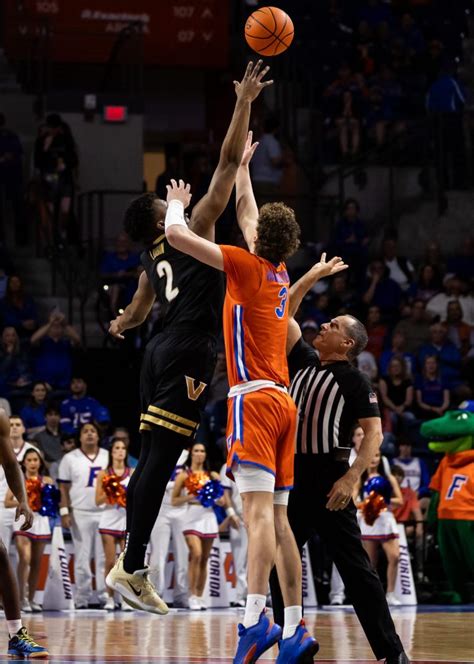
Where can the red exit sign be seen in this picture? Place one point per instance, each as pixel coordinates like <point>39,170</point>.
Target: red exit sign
<point>115,113</point>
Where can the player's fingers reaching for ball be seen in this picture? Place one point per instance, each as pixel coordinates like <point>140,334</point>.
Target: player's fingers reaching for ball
<point>256,69</point>
<point>264,71</point>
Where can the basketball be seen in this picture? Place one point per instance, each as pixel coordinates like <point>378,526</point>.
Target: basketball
<point>269,31</point>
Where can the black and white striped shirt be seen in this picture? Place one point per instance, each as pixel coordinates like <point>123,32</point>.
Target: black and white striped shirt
<point>330,399</point>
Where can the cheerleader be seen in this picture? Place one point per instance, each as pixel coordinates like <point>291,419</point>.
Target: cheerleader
<point>384,530</point>
<point>30,543</point>
<point>200,525</point>
<point>112,524</point>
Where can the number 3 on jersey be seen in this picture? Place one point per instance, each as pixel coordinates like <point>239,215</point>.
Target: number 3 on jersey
<point>164,269</point>
<point>283,295</point>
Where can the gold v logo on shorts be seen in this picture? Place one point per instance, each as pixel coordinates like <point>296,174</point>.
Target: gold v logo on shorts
<point>194,392</point>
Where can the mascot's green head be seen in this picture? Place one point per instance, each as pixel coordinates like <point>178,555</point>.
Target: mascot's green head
<point>452,433</point>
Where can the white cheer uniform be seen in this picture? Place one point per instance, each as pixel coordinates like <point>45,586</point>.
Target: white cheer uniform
<point>7,514</point>
<point>169,526</point>
<point>80,473</point>
<point>198,520</point>
<point>39,531</point>
<point>113,520</point>
<point>238,538</point>
<point>384,527</point>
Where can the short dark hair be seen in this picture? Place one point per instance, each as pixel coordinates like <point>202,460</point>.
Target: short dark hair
<point>278,232</point>
<point>52,408</point>
<point>398,470</point>
<point>140,219</point>
<point>53,120</point>
<point>357,332</point>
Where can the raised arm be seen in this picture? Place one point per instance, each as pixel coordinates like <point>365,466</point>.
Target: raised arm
<point>246,206</point>
<point>180,236</point>
<point>137,311</point>
<point>212,205</point>
<point>13,473</point>
<point>306,282</point>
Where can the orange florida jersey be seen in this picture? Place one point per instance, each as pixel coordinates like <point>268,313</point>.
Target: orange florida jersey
<point>454,481</point>
<point>255,318</point>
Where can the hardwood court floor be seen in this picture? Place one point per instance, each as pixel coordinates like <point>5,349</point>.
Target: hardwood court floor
<point>436,634</point>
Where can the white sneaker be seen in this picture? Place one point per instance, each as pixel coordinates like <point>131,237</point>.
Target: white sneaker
<point>136,589</point>
<point>392,599</point>
<point>35,607</point>
<point>202,603</point>
<point>109,604</point>
<point>194,603</point>
<point>25,606</point>
<point>126,607</point>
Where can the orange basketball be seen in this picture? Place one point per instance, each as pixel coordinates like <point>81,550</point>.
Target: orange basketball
<point>269,31</point>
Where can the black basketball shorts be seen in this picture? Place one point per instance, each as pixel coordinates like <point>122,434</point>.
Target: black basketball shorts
<point>174,382</point>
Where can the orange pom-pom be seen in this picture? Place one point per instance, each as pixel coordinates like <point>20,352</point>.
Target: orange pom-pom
<point>195,481</point>
<point>33,492</point>
<point>115,492</point>
<point>371,507</point>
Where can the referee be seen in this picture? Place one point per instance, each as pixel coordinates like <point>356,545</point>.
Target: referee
<point>331,396</point>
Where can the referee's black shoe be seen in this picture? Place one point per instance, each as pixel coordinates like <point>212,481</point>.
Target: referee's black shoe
<point>401,658</point>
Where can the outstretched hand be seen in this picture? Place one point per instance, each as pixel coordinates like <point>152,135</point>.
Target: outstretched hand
<point>179,192</point>
<point>248,150</point>
<point>252,84</point>
<point>327,269</point>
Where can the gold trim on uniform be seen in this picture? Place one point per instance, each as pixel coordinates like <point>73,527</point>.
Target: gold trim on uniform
<point>158,421</point>
<point>171,416</point>
<point>144,427</point>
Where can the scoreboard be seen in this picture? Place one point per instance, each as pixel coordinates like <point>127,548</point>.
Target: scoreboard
<point>191,33</point>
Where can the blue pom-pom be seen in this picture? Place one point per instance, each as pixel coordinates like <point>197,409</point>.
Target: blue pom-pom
<point>381,486</point>
<point>210,492</point>
<point>50,497</point>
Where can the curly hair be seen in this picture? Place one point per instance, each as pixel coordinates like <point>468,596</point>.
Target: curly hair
<point>141,218</point>
<point>277,232</point>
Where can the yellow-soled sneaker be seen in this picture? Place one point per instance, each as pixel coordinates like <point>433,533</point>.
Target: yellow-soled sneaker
<point>136,589</point>
<point>22,646</point>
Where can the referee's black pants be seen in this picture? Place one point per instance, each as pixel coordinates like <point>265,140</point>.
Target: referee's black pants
<point>314,477</point>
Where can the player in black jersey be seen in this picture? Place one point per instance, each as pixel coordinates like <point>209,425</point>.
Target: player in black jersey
<point>179,361</point>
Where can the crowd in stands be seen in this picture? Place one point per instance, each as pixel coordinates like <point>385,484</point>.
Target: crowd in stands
<point>382,66</point>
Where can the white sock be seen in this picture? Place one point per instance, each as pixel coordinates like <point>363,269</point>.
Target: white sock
<point>13,627</point>
<point>293,616</point>
<point>253,609</point>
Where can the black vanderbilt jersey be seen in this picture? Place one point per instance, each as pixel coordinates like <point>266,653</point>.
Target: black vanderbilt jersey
<point>191,293</point>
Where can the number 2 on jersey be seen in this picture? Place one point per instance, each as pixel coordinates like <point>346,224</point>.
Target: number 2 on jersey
<point>283,295</point>
<point>164,269</point>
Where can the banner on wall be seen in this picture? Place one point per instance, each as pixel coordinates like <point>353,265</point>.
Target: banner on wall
<point>194,33</point>
<point>58,595</point>
<point>405,590</point>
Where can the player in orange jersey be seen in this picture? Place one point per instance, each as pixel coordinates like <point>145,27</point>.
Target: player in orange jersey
<point>262,416</point>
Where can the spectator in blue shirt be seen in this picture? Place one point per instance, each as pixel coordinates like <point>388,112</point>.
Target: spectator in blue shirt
<point>449,357</point>
<point>118,271</point>
<point>15,370</point>
<point>34,413</point>
<point>431,393</point>
<point>80,409</point>
<point>382,291</point>
<point>54,343</point>
<point>17,309</point>
<point>397,349</point>
<point>350,239</point>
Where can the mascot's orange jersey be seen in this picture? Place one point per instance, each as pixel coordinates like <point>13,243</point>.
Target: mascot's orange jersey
<point>454,481</point>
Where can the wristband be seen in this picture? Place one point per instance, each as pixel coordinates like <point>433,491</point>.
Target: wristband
<point>175,214</point>
<point>230,511</point>
<point>63,511</point>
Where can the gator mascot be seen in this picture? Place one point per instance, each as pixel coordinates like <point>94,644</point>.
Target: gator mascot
<point>453,499</point>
